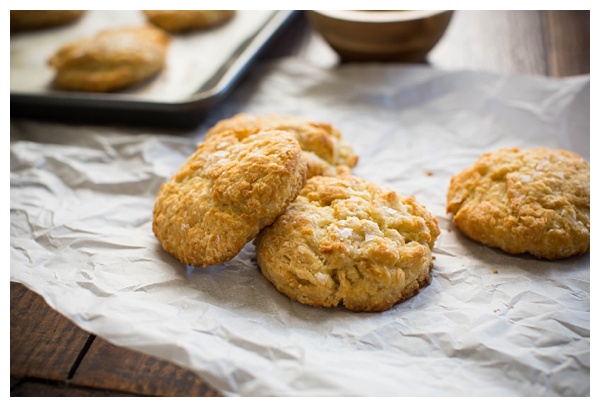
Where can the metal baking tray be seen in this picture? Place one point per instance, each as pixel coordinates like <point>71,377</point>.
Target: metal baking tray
<point>202,68</point>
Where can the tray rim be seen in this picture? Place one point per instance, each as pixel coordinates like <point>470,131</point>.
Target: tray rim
<point>199,100</point>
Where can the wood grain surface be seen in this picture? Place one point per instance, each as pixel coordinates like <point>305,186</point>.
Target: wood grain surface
<point>50,356</point>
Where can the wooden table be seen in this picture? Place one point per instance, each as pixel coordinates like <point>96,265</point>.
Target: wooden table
<point>50,356</point>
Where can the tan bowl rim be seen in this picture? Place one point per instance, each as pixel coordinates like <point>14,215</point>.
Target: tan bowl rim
<point>378,16</point>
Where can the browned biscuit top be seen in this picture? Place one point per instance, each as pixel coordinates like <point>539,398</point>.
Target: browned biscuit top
<point>36,19</point>
<point>111,60</point>
<point>225,193</point>
<point>176,21</point>
<point>324,149</point>
<point>534,201</point>
<point>346,241</point>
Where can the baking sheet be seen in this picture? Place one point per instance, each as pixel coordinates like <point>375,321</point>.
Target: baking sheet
<point>201,67</point>
<point>490,324</point>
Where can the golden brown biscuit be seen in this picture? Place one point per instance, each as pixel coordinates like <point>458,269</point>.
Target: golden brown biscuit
<point>175,21</point>
<point>36,19</point>
<point>324,150</point>
<point>225,193</point>
<point>112,60</point>
<point>535,201</point>
<point>346,241</point>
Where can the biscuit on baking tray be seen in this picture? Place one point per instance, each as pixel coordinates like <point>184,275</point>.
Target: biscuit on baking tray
<point>175,21</point>
<point>348,242</point>
<point>112,60</point>
<point>525,201</point>
<point>324,150</point>
<point>36,19</point>
<point>225,193</point>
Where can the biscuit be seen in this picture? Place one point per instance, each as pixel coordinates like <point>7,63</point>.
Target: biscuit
<point>225,193</point>
<point>324,150</point>
<point>36,19</point>
<point>175,21</point>
<point>112,60</point>
<point>533,201</point>
<point>348,242</point>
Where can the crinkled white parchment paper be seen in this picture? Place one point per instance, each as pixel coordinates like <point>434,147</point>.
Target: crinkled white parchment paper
<point>81,213</point>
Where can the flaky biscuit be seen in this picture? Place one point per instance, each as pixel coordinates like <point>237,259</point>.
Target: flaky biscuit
<point>36,19</point>
<point>534,201</point>
<point>324,150</point>
<point>346,241</point>
<point>111,60</point>
<point>175,21</point>
<point>225,193</point>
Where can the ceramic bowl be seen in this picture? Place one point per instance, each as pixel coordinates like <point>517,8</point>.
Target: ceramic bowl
<point>403,36</point>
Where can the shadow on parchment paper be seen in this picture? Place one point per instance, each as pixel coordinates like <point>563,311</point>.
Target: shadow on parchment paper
<point>239,287</point>
<point>499,261</point>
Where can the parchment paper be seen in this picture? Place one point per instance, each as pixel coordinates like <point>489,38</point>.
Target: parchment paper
<point>81,213</point>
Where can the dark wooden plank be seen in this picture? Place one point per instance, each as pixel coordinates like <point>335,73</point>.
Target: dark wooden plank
<point>106,366</point>
<point>43,343</point>
<point>567,42</point>
<point>37,388</point>
<point>495,41</point>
